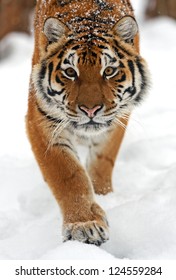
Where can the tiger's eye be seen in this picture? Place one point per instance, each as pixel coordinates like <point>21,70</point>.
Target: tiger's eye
<point>109,71</point>
<point>70,72</point>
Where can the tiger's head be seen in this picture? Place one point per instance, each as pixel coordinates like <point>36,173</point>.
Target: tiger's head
<point>90,79</point>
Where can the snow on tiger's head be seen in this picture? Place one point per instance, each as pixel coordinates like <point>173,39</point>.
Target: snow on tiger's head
<point>90,78</point>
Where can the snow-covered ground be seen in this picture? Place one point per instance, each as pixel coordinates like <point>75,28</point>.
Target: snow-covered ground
<point>142,209</point>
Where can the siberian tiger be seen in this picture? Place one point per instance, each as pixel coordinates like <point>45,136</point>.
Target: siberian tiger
<point>87,75</point>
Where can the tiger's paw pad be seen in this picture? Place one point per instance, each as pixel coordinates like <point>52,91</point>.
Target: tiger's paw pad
<point>91,232</point>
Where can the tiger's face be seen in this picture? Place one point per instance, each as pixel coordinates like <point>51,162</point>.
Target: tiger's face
<point>90,80</point>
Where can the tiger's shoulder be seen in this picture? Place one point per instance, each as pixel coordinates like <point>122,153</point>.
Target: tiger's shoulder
<point>80,15</point>
<point>73,12</point>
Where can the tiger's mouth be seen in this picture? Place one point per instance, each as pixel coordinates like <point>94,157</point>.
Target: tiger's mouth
<point>91,126</point>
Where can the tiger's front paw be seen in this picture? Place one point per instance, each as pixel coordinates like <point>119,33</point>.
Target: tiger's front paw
<point>91,232</point>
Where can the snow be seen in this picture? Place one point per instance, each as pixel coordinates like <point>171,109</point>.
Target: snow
<point>142,209</point>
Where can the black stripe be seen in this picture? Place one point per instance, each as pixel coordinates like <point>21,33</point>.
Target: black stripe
<point>63,99</point>
<point>84,54</point>
<point>93,37</point>
<point>123,78</point>
<point>122,106</point>
<point>144,83</point>
<point>71,115</point>
<point>104,6</point>
<point>105,34</point>
<point>102,47</point>
<point>92,19</point>
<point>63,138</point>
<point>53,54</point>
<point>58,66</point>
<point>41,78</point>
<point>70,55</point>
<point>61,54</point>
<point>142,72</point>
<point>60,92</point>
<point>122,48</point>
<point>64,146</point>
<point>47,116</point>
<point>66,61</point>
<point>112,59</point>
<point>110,109</point>
<point>50,67</point>
<point>55,34</point>
<point>71,110</point>
<point>119,97</point>
<point>80,19</point>
<point>52,92</point>
<point>98,38</point>
<point>85,28</point>
<point>59,81</point>
<point>76,47</point>
<point>132,70</point>
<point>121,65</point>
<point>69,42</point>
<point>107,54</point>
<point>43,71</point>
<point>132,89</point>
<point>94,54</point>
<point>105,21</point>
<point>119,54</point>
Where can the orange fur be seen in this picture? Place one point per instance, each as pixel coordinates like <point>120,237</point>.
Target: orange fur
<point>73,186</point>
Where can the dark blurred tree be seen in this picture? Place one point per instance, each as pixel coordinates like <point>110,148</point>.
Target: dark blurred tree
<point>161,8</point>
<point>14,15</point>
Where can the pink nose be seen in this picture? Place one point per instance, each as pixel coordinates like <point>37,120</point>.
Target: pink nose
<point>90,112</point>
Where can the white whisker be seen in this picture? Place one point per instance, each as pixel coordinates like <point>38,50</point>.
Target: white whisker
<point>55,133</point>
<point>117,121</point>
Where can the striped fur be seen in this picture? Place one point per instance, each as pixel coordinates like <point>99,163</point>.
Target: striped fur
<point>86,53</point>
<point>87,76</point>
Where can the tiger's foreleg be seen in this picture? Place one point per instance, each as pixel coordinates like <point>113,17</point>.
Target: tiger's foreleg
<point>83,218</point>
<point>102,156</point>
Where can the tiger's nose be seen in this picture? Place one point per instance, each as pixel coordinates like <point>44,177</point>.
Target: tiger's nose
<point>90,112</point>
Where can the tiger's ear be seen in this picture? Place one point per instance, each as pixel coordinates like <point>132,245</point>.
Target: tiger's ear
<point>126,28</point>
<point>54,29</point>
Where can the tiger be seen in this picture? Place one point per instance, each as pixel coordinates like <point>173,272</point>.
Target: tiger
<point>87,76</point>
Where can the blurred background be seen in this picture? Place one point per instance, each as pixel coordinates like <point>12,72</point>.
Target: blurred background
<point>15,15</point>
